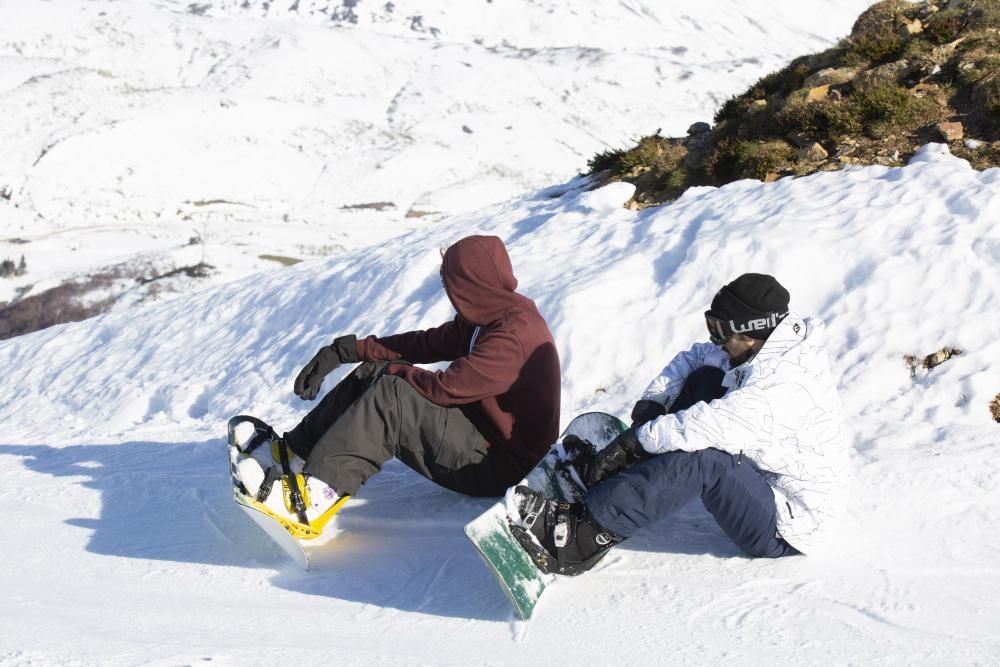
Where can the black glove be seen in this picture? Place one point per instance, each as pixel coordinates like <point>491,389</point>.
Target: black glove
<point>646,411</point>
<point>621,453</point>
<point>310,378</point>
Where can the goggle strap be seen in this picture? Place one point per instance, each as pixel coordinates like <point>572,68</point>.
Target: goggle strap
<point>726,328</point>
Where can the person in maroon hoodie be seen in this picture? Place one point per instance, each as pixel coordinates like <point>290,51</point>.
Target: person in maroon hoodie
<point>476,427</point>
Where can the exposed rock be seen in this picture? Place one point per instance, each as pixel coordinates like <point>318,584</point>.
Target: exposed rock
<point>699,128</point>
<point>818,94</point>
<point>831,76</point>
<point>931,360</point>
<point>995,408</point>
<point>696,155</point>
<point>771,177</point>
<point>925,89</point>
<point>950,131</point>
<point>908,27</point>
<point>876,76</point>
<point>698,147</point>
<point>812,153</point>
<point>939,357</point>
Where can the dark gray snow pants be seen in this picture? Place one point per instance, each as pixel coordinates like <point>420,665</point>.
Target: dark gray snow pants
<point>371,417</point>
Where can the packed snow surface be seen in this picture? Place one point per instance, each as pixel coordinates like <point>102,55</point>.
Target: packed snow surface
<point>122,546</point>
<point>155,134</point>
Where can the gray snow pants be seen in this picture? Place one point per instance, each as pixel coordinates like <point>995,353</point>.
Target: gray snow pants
<point>732,488</point>
<point>371,417</point>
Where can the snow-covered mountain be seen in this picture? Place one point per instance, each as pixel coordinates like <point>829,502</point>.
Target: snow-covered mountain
<point>122,546</point>
<point>149,136</point>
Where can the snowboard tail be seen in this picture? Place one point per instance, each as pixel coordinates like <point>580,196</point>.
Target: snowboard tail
<point>493,532</point>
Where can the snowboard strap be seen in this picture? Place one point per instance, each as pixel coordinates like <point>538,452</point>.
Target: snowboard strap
<point>293,483</point>
<point>270,477</point>
<point>262,432</point>
<point>562,532</point>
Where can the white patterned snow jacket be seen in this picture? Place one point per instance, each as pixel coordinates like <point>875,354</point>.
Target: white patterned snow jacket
<point>782,411</point>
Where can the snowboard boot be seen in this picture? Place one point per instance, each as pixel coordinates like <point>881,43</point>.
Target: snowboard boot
<point>560,537</point>
<point>259,441</point>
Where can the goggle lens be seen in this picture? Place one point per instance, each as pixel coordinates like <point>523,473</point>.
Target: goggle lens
<point>717,331</point>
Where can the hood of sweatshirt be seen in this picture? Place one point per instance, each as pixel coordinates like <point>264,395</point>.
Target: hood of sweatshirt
<point>479,279</point>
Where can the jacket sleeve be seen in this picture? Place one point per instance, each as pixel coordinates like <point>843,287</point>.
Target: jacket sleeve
<point>667,385</point>
<point>739,423</point>
<point>490,369</point>
<point>443,343</point>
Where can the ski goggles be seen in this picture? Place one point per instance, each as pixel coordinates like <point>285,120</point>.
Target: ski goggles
<point>720,330</point>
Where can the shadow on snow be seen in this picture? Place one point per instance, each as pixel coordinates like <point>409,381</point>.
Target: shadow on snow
<point>400,543</point>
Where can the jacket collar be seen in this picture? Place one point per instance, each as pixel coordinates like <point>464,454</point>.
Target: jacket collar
<point>790,332</point>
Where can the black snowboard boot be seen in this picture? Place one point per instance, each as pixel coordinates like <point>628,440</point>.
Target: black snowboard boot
<point>560,537</point>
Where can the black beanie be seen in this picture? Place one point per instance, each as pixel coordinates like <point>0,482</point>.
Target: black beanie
<point>752,296</point>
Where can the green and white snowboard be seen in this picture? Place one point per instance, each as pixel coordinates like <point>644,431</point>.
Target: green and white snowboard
<point>490,532</point>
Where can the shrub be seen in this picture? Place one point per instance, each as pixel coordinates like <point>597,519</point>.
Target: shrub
<point>988,91</point>
<point>983,14</point>
<point>800,115</point>
<point>653,153</point>
<point>980,158</point>
<point>734,159</point>
<point>883,109</point>
<point>944,26</point>
<point>605,160</point>
<point>779,83</point>
<point>875,36</point>
<point>53,306</point>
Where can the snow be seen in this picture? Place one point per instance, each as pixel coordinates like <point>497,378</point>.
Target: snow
<point>122,545</point>
<point>131,127</point>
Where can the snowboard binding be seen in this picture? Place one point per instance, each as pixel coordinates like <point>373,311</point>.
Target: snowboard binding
<point>254,480</point>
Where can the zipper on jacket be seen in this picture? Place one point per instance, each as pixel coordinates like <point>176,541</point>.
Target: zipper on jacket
<point>739,459</point>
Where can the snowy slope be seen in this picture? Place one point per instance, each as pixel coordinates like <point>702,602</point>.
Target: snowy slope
<point>121,545</point>
<point>129,128</point>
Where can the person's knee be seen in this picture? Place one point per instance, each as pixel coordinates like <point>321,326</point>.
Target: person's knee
<point>382,386</point>
<point>711,374</point>
<point>702,385</point>
<point>706,382</point>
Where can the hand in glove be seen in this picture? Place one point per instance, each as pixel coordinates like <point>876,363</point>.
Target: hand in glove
<point>310,378</point>
<point>646,411</point>
<point>621,453</point>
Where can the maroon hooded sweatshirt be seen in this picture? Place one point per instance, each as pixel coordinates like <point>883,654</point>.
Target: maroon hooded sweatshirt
<point>504,375</point>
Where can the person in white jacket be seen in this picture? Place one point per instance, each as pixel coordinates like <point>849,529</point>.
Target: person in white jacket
<point>750,422</point>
